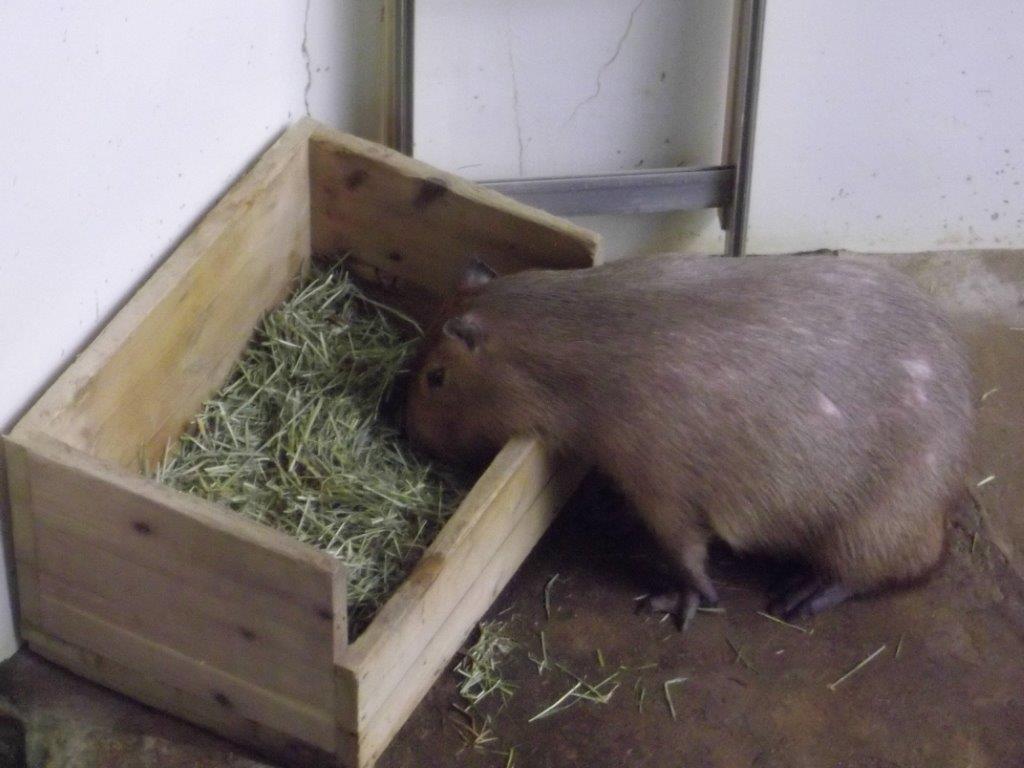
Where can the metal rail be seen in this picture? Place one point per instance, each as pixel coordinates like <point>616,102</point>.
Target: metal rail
<point>748,41</point>
<point>398,53</point>
<point>678,189</point>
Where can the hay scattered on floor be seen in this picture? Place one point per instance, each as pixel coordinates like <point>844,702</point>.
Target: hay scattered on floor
<point>595,693</point>
<point>867,660</point>
<point>480,672</point>
<point>667,689</point>
<point>297,439</point>
<point>480,668</point>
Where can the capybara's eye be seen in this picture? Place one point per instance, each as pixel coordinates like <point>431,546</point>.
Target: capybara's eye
<point>435,377</point>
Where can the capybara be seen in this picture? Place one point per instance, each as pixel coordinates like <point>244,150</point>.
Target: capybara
<point>809,407</point>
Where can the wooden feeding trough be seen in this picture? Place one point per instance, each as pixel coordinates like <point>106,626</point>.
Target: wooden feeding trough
<point>188,606</point>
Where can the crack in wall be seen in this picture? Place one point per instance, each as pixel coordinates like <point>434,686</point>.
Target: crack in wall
<point>607,64</point>
<point>306,57</point>
<point>515,97</point>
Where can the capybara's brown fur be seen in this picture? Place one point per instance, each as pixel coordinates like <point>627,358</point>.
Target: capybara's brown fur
<point>803,406</point>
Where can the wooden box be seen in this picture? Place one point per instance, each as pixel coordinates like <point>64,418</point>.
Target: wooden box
<point>190,607</point>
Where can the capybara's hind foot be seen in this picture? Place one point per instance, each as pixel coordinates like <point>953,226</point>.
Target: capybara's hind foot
<point>681,605</point>
<point>809,597</point>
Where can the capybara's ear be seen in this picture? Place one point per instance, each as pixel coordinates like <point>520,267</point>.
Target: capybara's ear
<point>466,329</point>
<point>476,276</point>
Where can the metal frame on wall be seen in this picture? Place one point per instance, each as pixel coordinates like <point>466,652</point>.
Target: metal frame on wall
<point>725,187</point>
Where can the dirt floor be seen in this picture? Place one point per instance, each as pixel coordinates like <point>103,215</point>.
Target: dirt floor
<point>946,688</point>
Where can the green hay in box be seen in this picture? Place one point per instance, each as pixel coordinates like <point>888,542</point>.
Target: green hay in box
<point>297,440</point>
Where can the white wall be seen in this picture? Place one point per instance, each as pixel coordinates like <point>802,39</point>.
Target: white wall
<point>573,87</point>
<point>120,123</point>
<point>883,126</point>
<point>891,126</point>
<point>343,45</point>
<point>568,86</point>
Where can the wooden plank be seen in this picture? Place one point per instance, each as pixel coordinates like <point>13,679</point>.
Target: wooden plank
<point>379,658</point>
<point>375,735</point>
<point>151,523</point>
<point>231,634</point>
<point>339,607</point>
<point>145,376</point>
<point>217,562</point>
<point>19,495</point>
<point>423,225</point>
<point>79,627</point>
<point>204,710</point>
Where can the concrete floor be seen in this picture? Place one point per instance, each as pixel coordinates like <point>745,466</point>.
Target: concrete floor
<point>948,690</point>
